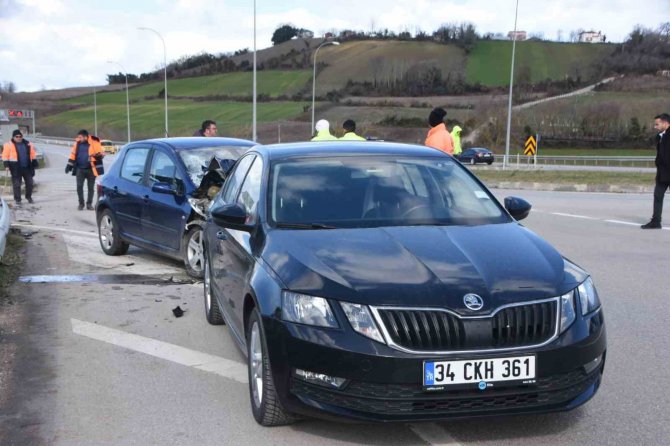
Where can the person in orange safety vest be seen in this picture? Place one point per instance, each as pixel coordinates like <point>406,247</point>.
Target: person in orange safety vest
<point>85,163</point>
<point>19,158</point>
<point>438,136</point>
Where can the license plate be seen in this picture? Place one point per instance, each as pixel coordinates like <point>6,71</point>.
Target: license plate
<point>441,373</point>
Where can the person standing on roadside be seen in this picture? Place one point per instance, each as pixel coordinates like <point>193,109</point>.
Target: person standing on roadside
<point>85,163</point>
<point>322,128</point>
<point>456,136</point>
<point>661,124</point>
<point>349,127</point>
<point>438,136</point>
<point>19,158</point>
<point>208,128</point>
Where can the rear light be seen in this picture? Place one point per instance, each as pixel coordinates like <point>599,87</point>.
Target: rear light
<point>99,188</point>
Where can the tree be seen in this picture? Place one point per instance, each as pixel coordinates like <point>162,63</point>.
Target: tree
<point>283,34</point>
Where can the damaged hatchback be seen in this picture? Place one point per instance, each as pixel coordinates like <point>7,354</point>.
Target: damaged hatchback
<point>156,193</point>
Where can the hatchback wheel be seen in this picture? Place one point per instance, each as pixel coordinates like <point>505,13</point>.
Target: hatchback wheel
<point>194,252</point>
<point>212,311</point>
<point>108,234</point>
<point>265,404</point>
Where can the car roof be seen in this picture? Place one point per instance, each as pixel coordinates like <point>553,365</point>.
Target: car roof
<point>289,150</point>
<point>195,142</point>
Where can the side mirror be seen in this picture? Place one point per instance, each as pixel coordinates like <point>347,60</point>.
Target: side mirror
<point>517,207</point>
<point>232,216</point>
<point>164,188</point>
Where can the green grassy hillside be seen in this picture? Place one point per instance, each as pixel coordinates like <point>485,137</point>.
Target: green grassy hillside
<point>147,117</point>
<point>271,83</point>
<point>489,62</point>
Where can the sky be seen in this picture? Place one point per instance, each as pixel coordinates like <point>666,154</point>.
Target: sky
<point>47,44</point>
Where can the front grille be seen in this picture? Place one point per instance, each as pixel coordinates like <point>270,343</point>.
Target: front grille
<point>412,400</point>
<point>435,330</point>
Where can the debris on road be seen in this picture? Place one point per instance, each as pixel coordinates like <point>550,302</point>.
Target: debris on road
<point>178,312</point>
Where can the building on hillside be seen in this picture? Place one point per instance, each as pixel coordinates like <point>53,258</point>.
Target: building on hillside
<point>517,35</point>
<point>305,34</point>
<point>591,37</point>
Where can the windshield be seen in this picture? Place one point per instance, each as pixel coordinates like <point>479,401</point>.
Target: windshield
<point>197,160</point>
<point>377,191</point>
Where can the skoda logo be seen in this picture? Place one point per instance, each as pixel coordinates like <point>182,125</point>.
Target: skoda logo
<point>473,302</point>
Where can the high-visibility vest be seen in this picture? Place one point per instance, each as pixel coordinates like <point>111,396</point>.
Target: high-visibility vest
<point>9,153</point>
<point>439,138</point>
<point>351,136</point>
<point>95,155</point>
<point>324,135</point>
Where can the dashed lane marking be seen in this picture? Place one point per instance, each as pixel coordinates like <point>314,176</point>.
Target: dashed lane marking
<point>573,215</point>
<point>190,358</point>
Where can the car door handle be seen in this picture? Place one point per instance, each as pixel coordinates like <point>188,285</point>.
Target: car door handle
<point>221,235</point>
<point>146,198</point>
<point>117,191</point>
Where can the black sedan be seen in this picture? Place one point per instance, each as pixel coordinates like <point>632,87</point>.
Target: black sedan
<point>476,155</point>
<point>385,282</point>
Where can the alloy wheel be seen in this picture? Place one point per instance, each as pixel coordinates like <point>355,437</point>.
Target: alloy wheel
<point>107,231</point>
<point>256,364</point>
<point>195,251</point>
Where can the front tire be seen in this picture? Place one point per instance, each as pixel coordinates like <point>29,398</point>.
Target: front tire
<point>108,235</point>
<point>212,310</point>
<point>265,404</point>
<point>193,252</point>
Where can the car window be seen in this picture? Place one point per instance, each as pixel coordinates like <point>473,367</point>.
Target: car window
<point>132,168</point>
<point>235,179</point>
<point>197,160</point>
<point>251,190</point>
<point>164,170</point>
<point>375,191</point>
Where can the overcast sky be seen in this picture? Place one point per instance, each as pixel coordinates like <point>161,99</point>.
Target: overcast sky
<point>64,43</point>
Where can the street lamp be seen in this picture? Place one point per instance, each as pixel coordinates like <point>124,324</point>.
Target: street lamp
<point>95,114</point>
<point>253,111</point>
<point>127,95</point>
<point>511,84</point>
<point>165,68</point>
<point>314,76</point>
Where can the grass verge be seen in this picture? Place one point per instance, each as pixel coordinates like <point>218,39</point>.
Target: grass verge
<point>567,177</point>
<point>10,266</point>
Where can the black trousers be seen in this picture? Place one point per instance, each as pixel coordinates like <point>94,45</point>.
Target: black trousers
<point>85,174</point>
<point>27,176</point>
<point>659,193</point>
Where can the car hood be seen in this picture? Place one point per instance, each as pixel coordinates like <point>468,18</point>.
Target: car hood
<point>421,265</point>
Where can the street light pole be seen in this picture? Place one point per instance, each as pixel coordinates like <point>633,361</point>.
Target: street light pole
<point>511,85</point>
<point>127,94</point>
<point>253,125</point>
<point>95,114</point>
<point>165,73</point>
<point>314,77</point>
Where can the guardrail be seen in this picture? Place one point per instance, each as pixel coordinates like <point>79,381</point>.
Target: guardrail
<point>57,140</point>
<point>5,222</point>
<point>606,161</point>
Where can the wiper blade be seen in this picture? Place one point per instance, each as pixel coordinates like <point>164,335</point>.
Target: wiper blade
<point>305,226</point>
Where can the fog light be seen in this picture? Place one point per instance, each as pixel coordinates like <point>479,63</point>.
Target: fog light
<point>320,379</point>
<point>591,366</point>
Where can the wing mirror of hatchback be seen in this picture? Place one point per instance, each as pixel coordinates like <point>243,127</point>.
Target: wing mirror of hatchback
<point>232,216</point>
<point>164,188</point>
<point>517,207</point>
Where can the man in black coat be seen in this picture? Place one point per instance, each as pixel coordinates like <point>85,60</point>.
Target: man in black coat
<point>661,123</point>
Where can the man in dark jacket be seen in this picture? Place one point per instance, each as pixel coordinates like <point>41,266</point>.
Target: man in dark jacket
<point>661,123</point>
<point>18,156</point>
<point>208,128</point>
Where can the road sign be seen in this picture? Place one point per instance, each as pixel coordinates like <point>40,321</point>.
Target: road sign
<point>530,148</point>
<point>14,113</point>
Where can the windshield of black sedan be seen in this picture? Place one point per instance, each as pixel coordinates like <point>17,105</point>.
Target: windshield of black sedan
<point>369,191</point>
<point>197,160</point>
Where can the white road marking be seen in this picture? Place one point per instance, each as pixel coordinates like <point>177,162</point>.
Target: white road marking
<point>574,216</point>
<point>434,434</point>
<point>54,228</point>
<point>619,222</point>
<point>190,358</point>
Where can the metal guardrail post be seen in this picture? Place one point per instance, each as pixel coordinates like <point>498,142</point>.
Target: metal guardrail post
<point>5,222</point>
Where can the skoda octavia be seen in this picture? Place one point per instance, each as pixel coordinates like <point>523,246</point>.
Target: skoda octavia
<point>381,281</point>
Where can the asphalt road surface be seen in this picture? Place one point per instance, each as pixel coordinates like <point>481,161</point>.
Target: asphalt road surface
<point>103,361</point>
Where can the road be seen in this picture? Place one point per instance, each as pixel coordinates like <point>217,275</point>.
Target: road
<point>103,360</point>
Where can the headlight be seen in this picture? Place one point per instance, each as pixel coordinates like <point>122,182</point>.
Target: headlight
<point>588,297</point>
<point>567,310</point>
<point>308,310</point>
<point>361,320</point>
